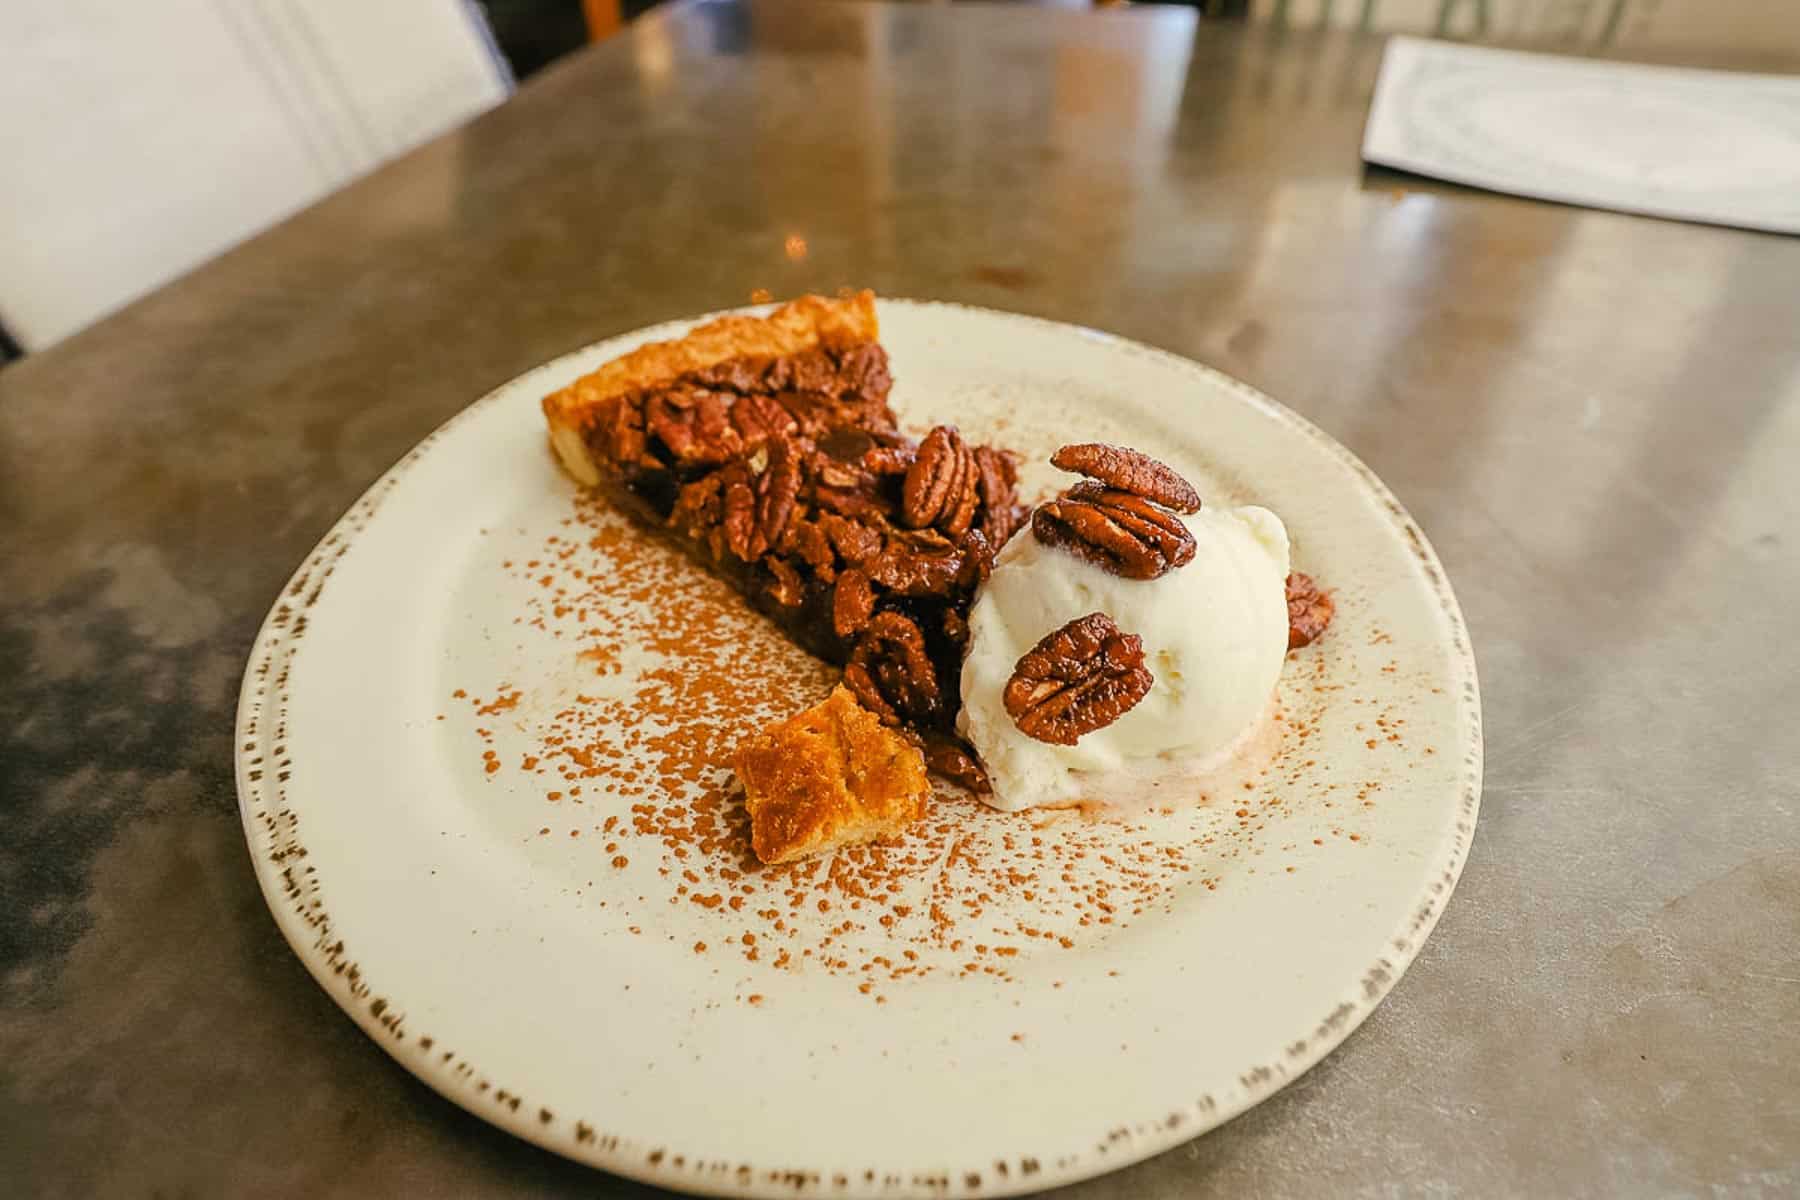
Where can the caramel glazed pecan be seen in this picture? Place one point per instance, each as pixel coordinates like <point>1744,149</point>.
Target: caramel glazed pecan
<point>1122,517</point>
<point>1077,679</point>
<point>791,479</point>
<point>1087,674</point>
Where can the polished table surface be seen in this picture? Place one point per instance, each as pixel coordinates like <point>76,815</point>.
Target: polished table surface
<point>1596,417</point>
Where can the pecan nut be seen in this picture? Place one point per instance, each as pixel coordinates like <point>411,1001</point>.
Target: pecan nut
<point>855,542</point>
<point>953,761</point>
<point>890,672</point>
<point>694,426</point>
<point>852,603</point>
<point>699,506</point>
<point>864,369</point>
<point>920,564</point>
<point>889,460</point>
<point>618,435</point>
<point>834,475</point>
<point>738,511</point>
<point>1127,470</point>
<point>758,418</point>
<point>1309,610</point>
<point>997,477</point>
<point>777,491</point>
<point>760,498</point>
<point>813,372</point>
<point>977,560</point>
<point>788,588</point>
<point>856,503</point>
<point>740,375</point>
<point>939,489</point>
<point>806,539</point>
<point>1118,531</point>
<point>1077,679</point>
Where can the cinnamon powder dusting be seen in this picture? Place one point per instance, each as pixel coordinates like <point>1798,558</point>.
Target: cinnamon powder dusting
<point>675,670</point>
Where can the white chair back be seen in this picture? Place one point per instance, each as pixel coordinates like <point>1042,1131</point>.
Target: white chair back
<point>138,140</point>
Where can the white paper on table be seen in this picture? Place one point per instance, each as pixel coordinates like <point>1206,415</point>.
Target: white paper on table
<point>138,140</point>
<point>1713,146</point>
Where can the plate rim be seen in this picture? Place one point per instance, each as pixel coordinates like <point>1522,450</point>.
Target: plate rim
<point>263,812</point>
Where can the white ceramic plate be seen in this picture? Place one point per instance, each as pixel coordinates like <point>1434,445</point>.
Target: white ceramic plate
<point>534,894</point>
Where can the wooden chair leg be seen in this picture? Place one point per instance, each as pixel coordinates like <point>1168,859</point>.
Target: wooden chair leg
<point>603,18</point>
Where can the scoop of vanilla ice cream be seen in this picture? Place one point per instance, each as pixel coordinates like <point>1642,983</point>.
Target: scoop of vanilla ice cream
<point>1215,635</point>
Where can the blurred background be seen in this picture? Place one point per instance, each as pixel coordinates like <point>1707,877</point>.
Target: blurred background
<point>148,138</point>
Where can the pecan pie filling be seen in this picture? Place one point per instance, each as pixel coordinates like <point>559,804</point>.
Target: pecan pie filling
<point>787,474</point>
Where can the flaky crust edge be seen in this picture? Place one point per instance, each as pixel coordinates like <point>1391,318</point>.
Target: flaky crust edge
<point>796,327</point>
<point>782,761</point>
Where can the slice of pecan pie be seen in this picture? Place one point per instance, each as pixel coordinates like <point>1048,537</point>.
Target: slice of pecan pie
<point>765,448</point>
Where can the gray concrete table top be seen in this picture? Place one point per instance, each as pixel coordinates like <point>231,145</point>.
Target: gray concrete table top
<point>1595,416</point>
